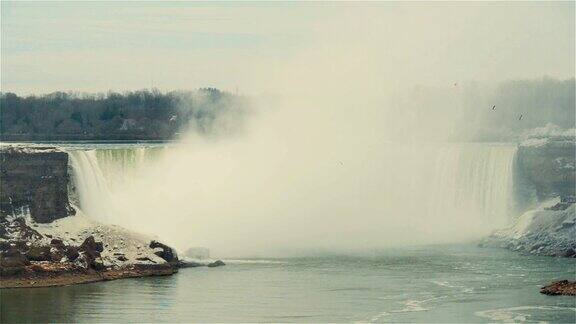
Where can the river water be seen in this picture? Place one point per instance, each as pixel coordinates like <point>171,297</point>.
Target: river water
<point>440,283</point>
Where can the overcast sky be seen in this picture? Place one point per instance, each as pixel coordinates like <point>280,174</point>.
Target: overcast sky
<point>90,46</point>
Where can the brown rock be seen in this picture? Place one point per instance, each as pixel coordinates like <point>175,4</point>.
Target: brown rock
<point>12,262</point>
<point>57,244</point>
<point>22,246</point>
<point>39,253</point>
<point>167,253</point>
<point>91,245</point>
<point>72,253</point>
<point>562,287</point>
<point>56,256</point>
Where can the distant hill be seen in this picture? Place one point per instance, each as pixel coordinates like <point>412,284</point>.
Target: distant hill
<point>136,115</point>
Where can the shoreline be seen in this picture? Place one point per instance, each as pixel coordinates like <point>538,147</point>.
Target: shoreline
<point>83,276</point>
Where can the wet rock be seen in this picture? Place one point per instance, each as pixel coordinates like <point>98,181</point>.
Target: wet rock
<point>91,253</point>
<point>39,253</point>
<point>72,253</point>
<point>91,245</point>
<point>56,255</point>
<point>189,264</point>
<point>90,258</point>
<point>167,253</point>
<point>569,253</point>
<point>12,262</point>
<point>4,246</point>
<point>58,244</point>
<point>563,287</point>
<point>217,263</point>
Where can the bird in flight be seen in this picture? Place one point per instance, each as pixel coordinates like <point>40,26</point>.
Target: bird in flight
<point>520,118</point>
<point>494,107</point>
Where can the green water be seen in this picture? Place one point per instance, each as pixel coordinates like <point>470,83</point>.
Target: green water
<point>428,284</point>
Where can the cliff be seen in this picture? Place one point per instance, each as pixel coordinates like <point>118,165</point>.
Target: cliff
<point>34,180</point>
<point>548,166</point>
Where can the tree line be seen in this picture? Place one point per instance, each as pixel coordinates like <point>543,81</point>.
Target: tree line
<point>133,115</point>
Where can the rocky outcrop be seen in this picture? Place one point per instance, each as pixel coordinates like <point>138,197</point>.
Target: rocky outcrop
<point>34,180</point>
<point>549,229</point>
<point>12,261</point>
<point>217,263</point>
<point>562,287</point>
<point>77,249</point>
<point>166,252</point>
<point>195,264</point>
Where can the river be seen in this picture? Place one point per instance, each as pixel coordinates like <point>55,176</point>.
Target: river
<point>441,283</point>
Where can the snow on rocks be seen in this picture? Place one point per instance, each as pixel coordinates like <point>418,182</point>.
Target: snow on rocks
<point>549,229</point>
<point>120,247</point>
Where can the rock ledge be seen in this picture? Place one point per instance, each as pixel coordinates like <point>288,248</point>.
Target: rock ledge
<point>562,287</point>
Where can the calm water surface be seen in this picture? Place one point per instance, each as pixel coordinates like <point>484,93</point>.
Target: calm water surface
<point>432,284</point>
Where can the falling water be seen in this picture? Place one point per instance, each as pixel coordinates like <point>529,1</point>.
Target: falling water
<point>98,174</point>
<point>411,194</point>
<point>475,179</point>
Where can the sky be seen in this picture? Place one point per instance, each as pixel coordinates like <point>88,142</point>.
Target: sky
<point>101,46</point>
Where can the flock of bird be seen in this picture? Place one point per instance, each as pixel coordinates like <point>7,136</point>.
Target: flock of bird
<point>519,118</point>
<point>493,107</point>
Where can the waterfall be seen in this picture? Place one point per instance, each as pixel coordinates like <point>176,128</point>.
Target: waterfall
<point>476,179</point>
<point>401,194</point>
<point>98,175</point>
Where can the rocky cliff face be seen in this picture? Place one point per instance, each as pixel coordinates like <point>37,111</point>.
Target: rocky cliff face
<point>548,167</point>
<point>34,180</point>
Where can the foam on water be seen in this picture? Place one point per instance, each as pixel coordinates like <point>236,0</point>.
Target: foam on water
<point>520,313</point>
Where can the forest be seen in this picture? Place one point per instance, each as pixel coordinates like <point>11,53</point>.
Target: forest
<point>133,115</point>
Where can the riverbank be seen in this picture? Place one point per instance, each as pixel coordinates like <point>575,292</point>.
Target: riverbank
<point>549,229</point>
<point>49,275</point>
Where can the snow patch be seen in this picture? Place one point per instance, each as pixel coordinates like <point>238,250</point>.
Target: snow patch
<point>118,242</point>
